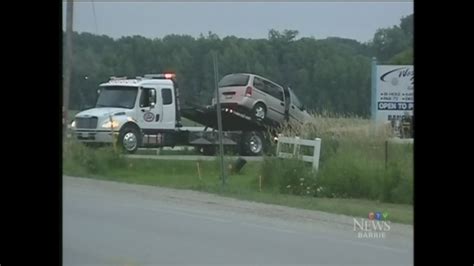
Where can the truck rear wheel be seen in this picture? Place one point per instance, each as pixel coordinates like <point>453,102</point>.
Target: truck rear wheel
<point>252,144</point>
<point>129,139</point>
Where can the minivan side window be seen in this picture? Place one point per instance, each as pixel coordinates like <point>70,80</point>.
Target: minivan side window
<point>278,91</point>
<point>273,90</point>
<point>258,84</point>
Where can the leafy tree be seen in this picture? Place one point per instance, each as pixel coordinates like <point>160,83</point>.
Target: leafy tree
<point>330,74</point>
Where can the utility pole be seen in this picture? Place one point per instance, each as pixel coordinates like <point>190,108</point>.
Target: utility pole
<point>67,61</point>
<point>373,90</point>
<point>373,97</point>
<point>219,118</point>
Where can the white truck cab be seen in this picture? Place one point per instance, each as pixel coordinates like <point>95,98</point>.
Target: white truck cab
<point>128,109</point>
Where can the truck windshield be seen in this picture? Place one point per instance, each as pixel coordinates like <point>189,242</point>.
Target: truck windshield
<point>117,96</point>
<point>234,80</point>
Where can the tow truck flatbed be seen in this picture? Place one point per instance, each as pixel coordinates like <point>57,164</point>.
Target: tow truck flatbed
<point>232,119</point>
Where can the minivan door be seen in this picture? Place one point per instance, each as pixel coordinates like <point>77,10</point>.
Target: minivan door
<point>276,101</point>
<point>296,108</point>
<point>286,92</point>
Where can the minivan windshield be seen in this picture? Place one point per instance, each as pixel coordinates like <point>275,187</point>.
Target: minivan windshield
<point>295,100</point>
<point>234,80</point>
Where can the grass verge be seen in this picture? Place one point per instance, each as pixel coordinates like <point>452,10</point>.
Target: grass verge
<point>104,164</point>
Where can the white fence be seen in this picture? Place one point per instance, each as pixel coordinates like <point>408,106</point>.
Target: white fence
<point>297,142</point>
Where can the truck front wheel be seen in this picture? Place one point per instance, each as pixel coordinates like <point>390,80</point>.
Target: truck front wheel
<point>129,139</point>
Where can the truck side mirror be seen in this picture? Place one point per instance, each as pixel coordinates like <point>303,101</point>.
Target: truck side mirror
<point>152,99</point>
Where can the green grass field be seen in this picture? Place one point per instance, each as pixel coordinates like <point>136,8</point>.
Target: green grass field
<point>245,185</point>
<point>355,175</point>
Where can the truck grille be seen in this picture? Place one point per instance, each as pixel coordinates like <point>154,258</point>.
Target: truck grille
<point>86,122</point>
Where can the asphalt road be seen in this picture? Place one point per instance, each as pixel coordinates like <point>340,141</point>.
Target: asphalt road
<point>107,223</point>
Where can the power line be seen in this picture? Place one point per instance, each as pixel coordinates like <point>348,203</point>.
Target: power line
<point>95,17</point>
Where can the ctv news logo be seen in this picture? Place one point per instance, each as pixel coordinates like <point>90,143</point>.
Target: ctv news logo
<point>375,227</point>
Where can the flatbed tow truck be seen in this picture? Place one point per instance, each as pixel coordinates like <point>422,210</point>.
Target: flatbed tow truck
<point>146,112</point>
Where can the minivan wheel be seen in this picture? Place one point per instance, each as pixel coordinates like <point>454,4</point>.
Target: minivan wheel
<point>259,111</point>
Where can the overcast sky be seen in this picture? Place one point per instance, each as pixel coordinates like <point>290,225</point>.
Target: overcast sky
<point>246,19</point>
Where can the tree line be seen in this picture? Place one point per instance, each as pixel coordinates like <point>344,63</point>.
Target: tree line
<point>331,74</point>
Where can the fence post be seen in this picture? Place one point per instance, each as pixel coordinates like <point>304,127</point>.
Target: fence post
<point>278,146</point>
<point>316,153</point>
<point>296,147</point>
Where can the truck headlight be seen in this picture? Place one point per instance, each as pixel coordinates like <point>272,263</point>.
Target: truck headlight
<point>73,124</point>
<point>111,124</point>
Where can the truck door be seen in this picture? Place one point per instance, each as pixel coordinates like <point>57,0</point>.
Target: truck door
<point>150,110</point>
<point>168,105</point>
